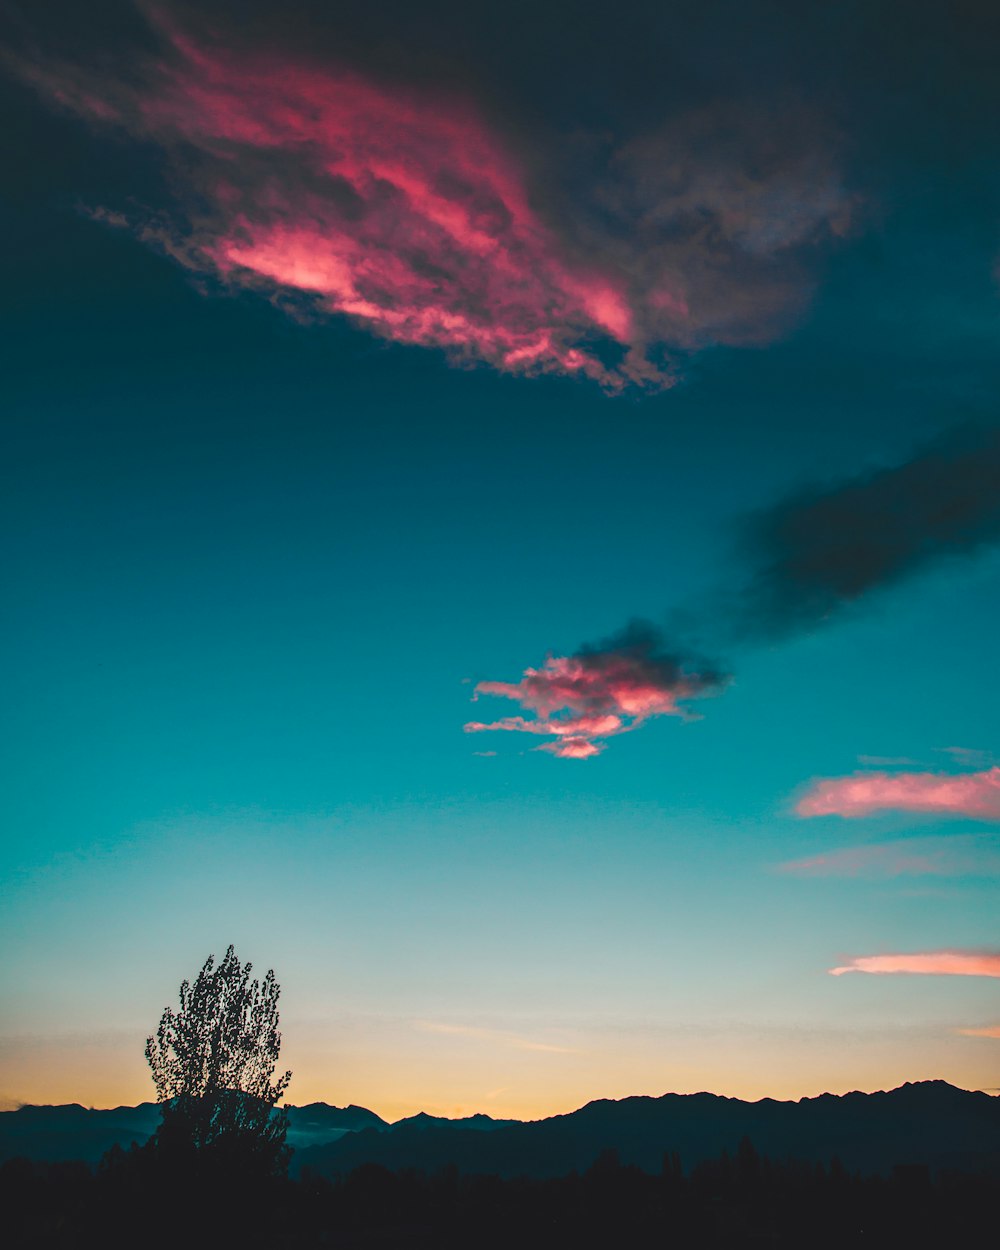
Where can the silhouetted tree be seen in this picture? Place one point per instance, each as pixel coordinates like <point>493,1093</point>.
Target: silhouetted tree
<point>213,1063</point>
<point>747,1161</point>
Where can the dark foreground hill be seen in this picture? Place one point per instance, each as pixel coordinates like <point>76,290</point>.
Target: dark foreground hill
<point>746,1202</point>
<point>930,1123</point>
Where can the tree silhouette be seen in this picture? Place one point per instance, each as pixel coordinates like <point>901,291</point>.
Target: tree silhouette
<point>213,1064</point>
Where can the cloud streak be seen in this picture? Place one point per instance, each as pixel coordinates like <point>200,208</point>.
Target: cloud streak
<point>914,857</point>
<point>583,699</point>
<point>934,963</point>
<point>992,1030</point>
<point>338,194</point>
<point>974,795</point>
<point>511,1040</point>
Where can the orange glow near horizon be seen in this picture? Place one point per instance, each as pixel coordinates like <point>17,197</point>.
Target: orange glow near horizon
<point>453,1070</point>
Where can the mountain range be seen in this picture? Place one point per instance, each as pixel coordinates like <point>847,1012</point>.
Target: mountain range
<point>927,1122</point>
<point>75,1132</point>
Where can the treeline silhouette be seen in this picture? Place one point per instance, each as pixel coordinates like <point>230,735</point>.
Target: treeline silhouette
<point>152,1196</point>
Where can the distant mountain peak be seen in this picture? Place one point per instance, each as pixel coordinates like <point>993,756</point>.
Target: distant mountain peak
<point>480,1120</point>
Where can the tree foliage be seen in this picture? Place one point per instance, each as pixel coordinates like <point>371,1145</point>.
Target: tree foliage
<point>213,1063</point>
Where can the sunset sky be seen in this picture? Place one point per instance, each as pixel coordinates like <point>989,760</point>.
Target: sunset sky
<point>501,522</point>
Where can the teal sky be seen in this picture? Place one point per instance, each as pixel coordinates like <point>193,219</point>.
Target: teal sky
<point>256,564</point>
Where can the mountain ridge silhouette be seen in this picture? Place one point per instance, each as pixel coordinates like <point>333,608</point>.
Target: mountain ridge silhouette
<point>931,1123</point>
<point>72,1131</point>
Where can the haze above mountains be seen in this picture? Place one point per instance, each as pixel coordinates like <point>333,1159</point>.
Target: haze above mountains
<point>928,1122</point>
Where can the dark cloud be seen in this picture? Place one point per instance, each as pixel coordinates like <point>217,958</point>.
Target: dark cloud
<point>823,549</point>
<point>718,216</point>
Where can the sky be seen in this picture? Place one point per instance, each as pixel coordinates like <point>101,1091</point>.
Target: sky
<point>501,523</point>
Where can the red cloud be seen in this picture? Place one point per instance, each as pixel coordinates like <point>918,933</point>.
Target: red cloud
<point>396,208</point>
<point>935,963</point>
<point>406,212</point>
<point>971,794</point>
<point>583,698</point>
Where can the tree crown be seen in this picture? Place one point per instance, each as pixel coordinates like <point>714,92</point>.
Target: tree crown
<point>213,1060</point>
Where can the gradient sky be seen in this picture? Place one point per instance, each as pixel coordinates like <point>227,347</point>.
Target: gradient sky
<point>357,361</point>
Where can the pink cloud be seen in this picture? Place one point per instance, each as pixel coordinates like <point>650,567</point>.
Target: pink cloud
<point>976,795</point>
<point>574,747</point>
<point>992,1030</point>
<point>935,963</point>
<point>405,211</point>
<point>582,699</point>
<point>400,209</point>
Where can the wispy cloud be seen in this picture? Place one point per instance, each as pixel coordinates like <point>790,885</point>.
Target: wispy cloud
<point>402,208</point>
<point>953,963</point>
<point>936,857</point>
<point>974,795</point>
<point>969,757</point>
<point>886,761</point>
<point>599,692</point>
<point>495,1036</point>
<point>992,1030</point>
